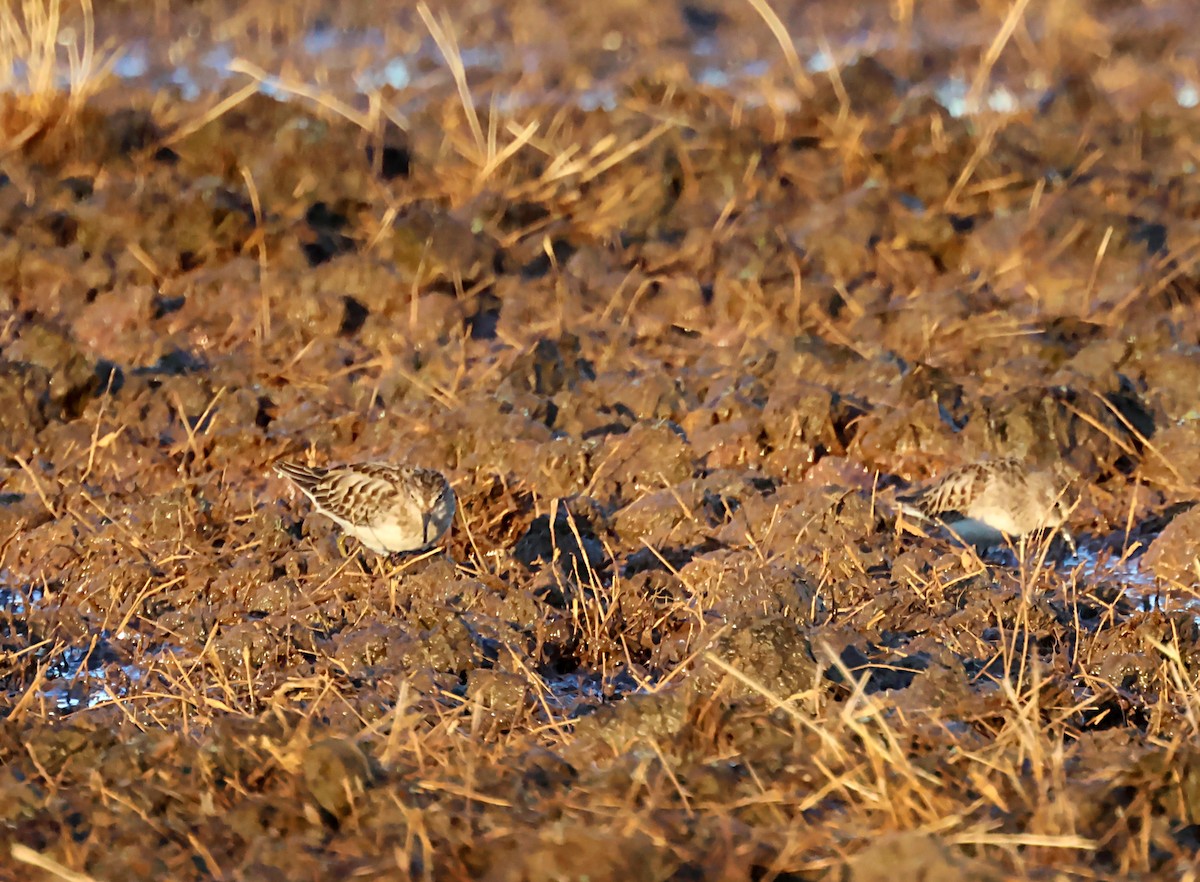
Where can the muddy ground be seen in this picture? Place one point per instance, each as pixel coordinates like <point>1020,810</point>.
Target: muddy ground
<point>676,347</point>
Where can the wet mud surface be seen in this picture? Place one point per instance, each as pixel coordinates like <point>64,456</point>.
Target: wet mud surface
<point>677,347</point>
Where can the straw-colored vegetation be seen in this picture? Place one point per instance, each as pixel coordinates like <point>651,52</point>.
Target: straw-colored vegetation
<point>49,66</point>
<point>677,312</point>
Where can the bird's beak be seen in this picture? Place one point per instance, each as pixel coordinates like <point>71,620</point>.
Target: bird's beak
<point>426,520</point>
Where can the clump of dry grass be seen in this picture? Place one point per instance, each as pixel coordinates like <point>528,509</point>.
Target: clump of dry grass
<point>50,68</point>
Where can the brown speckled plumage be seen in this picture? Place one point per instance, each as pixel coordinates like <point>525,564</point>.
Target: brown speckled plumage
<point>985,501</point>
<point>388,508</point>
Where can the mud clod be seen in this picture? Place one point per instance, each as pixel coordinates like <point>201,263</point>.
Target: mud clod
<point>336,772</point>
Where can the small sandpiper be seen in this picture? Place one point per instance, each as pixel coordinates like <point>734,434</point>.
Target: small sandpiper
<point>985,503</point>
<point>388,508</point>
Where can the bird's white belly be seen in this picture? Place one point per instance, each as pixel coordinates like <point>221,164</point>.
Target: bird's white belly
<point>976,532</point>
<point>384,537</point>
<point>1015,519</point>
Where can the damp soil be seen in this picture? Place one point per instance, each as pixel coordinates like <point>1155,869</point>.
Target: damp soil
<point>676,321</point>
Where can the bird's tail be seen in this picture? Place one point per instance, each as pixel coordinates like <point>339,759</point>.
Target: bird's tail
<point>306,477</point>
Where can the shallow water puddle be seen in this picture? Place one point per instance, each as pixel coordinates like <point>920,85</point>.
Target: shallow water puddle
<point>1091,568</point>
<point>66,677</point>
<point>579,693</point>
<point>77,683</point>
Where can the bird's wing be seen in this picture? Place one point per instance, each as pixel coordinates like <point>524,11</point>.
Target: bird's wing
<point>952,492</point>
<point>353,493</point>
